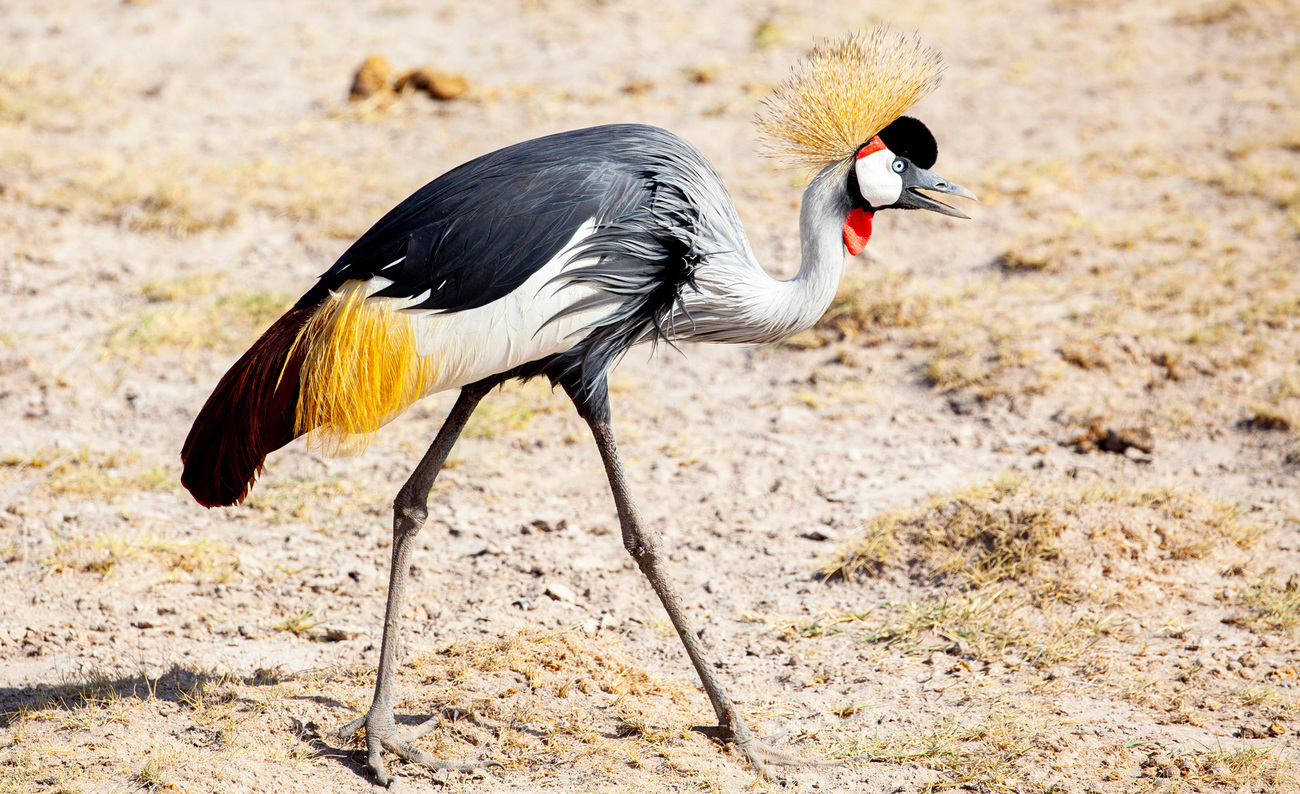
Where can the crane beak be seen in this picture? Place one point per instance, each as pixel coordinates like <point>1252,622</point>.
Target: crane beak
<point>918,179</point>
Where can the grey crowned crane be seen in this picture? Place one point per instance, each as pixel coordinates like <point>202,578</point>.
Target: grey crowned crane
<point>553,257</point>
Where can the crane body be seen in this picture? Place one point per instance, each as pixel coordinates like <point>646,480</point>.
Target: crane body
<point>552,257</point>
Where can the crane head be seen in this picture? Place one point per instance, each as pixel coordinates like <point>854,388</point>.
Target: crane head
<point>890,171</point>
<point>857,89</point>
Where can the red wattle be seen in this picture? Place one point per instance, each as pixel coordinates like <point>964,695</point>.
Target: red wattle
<point>857,230</point>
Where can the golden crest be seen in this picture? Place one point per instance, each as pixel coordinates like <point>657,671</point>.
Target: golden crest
<point>844,93</point>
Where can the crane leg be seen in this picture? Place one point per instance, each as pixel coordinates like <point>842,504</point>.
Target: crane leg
<point>645,544</point>
<point>410,509</point>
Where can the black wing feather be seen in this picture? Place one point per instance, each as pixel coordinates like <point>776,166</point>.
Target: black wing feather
<point>476,233</point>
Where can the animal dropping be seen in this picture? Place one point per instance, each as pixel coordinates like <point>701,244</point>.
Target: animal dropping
<point>439,85</point>
<point>370,78</point>
<point>551,258</point>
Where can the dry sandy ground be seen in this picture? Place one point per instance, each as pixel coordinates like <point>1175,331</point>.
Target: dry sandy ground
<point>1020,515</point>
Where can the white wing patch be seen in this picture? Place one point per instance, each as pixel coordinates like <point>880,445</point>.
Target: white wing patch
<point>470,345</point>
<point>877,182</point>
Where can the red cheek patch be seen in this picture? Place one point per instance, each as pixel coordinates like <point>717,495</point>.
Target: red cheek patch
<point>857,230</point>
<point>873,146</point>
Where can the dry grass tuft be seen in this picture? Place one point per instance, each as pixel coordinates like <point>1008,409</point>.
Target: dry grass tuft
<point>106,553</point>
<point>307,500</point>
<point>300,624</point>
<point>865,309</point>
<point>1038,587</point>
<point>1026,575</point>
<point>194,313</point>
<point>1267,606</point>
<point>1244,18</point>
<point>1047,540</point>
<point>203,722</point>
<point>102,691</point>
<point>971,538</point>
<point>153,773</point>
<point>1023,261</point>
<point>992,625</point>
<point>89,473</point>
<point>168,197</point>
<point>989,755</point>
<point>862,307</point>
<point>543,697</point>
<point>1280,408</point>
<point>542,660</point>
<point>1239,769</point>
<point>36,97</point>
<point>1268,417</point>
<point>512,408</point>
<point>187,192</point>
<point>1086,354</point>
<point>1098,437</point>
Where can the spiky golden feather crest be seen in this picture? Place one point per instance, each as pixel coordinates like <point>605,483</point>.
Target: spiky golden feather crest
<point>844,93</point>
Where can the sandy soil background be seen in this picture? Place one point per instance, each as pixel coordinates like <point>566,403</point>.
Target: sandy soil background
<point>1019,515</point>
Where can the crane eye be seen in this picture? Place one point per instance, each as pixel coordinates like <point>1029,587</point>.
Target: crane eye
<point>899,166</point>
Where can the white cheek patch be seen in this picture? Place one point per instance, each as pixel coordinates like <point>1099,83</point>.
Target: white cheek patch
<point>879,185</point>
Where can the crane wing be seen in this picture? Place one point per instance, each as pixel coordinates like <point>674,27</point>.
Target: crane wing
<point>476,233</point>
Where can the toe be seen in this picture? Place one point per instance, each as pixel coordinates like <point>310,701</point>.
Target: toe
<point>350,730</point>
<point>375,760</point>
<point>412,754</point>
<point>421,729</point>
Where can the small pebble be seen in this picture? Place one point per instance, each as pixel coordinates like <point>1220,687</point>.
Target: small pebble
<point>561,592</point>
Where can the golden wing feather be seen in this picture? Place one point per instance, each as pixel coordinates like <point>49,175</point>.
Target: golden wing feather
<point>844,93</point>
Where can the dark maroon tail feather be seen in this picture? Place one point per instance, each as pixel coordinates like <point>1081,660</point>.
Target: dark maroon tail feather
<point>249,415</point>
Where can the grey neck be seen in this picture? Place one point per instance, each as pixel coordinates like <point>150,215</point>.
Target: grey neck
<point>738,301</point>
<point>797,304</point>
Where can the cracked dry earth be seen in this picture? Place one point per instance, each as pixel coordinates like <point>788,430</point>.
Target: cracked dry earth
<point>1019,515</point>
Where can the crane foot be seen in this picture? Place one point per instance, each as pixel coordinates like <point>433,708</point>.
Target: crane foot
<point>382,734</point>
<point>761,755</point>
